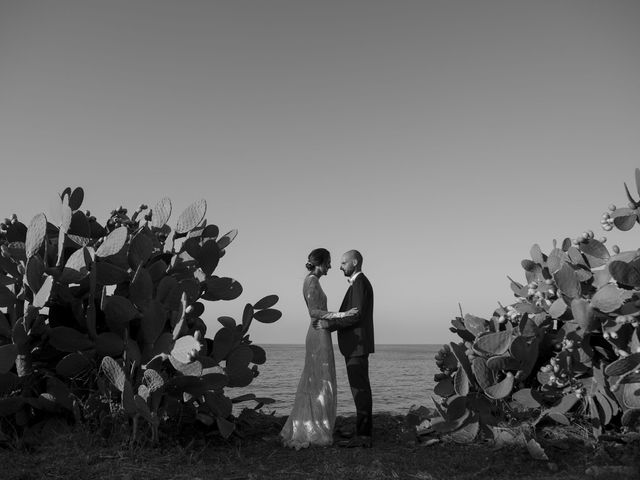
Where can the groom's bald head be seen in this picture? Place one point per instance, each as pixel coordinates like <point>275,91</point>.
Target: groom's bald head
<point>351,262</point>
<point>355,255</point>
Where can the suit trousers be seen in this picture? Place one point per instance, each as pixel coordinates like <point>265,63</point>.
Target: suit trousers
<point>358,375</point>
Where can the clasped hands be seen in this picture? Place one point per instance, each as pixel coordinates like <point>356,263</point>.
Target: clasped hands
<point>324,324</point>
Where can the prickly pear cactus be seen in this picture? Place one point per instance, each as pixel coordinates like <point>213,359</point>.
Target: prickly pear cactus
<point>568,346</point>
<point>80,301</point>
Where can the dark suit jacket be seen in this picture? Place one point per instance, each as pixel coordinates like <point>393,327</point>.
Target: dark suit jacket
<point>355,334</point>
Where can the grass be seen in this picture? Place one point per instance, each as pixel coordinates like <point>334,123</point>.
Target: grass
<point>78,454</point>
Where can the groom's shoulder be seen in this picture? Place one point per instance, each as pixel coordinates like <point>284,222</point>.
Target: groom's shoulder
<point>364,279</point>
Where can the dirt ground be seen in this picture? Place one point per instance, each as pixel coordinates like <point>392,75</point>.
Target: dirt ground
<point>256,454</point>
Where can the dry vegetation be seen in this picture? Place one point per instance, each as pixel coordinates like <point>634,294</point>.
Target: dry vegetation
<point>65,452</point>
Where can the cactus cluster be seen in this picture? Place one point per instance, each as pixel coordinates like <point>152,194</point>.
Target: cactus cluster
<point>568,345</point>
<point>80,302</point>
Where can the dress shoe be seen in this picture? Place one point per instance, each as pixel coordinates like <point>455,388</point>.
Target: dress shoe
<point>360,441</point>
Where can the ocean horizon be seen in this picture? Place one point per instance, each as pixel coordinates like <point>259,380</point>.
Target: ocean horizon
<point>401,376</point>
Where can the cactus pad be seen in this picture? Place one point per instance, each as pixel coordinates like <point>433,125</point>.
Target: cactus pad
<point>161,212</point>
<point>595,251</point>
<point>259,355</point>
<point>8,354</point>
<point>185,348</point>
<point>119,309</point>
<point>494,343</point>
<point>626,273</point>
<point>227,238</point>
<point>623,365</point>
<point>444,388</point>
<point>191,216</point>
<point>239,358</point>
<point>221,288</point>
<point>583,314</point>
<point>225,427</point>
<point>35,234</point>
<point>482,373</point>
<point>459,352</point>
<point>34,273</point>
<point>467,432</point>
<point>153,322</point>
<point>42,297</point>
<point>68,339</point>
<point>475,325</point>
<point>268,315</point>
<point>240,377</point>
<point>109,344</point>
<point>445,425</point>
<point>110,274</point>
<point>247,316</point>
<point>461,382</point>
<point>525,398</point>
<point>503,362</point>
<point>624,218</point>
<point>113,243</point>
<point>526,352</point>
<point>75,198</point>
<point>76,267</point>
<point>558,308</point>
<point>153,380</point>
<point>501,389</point>
<point>266,302</point>
<point>630,417</point>
<point>113,371</point>
<point>208,256</point>
<point>565,404</point>
<point>606,409</point>
<point>140,249</point>
<point>567,281</point>
<point>141,287</point>
<point>73,365</point>
<point>631,395</point>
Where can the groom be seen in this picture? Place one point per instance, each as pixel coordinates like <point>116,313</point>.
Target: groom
<point>355,339</point>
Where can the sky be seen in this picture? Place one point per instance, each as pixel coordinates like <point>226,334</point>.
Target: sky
<point>442,139</point>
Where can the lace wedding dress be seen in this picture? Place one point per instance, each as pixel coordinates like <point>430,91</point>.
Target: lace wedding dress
<point>314,409</point>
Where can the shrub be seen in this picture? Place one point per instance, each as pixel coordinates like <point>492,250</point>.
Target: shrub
<point>568,345</point>
<point>117,309</point>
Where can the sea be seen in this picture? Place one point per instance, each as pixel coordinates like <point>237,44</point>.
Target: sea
<point>401,377</point>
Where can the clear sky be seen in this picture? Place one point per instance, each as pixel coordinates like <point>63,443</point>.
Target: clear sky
<point>440,138</point>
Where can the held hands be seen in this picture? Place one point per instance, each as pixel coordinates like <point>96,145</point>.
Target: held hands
<point>326,323</point>
<point>320,324</point>
<point>351,312</point>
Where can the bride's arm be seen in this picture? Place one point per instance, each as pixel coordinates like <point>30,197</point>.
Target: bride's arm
<point>358,299</point>
<point>314,298</point>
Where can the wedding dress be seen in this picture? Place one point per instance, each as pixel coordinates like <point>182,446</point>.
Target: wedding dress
<point>313,413</point>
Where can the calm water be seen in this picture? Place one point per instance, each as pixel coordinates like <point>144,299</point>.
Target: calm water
<point>401,376</point>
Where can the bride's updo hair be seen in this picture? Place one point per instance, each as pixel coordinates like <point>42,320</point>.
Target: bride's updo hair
<point>317,257</point>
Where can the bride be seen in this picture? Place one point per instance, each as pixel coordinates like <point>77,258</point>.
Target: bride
<point>314,409</point>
